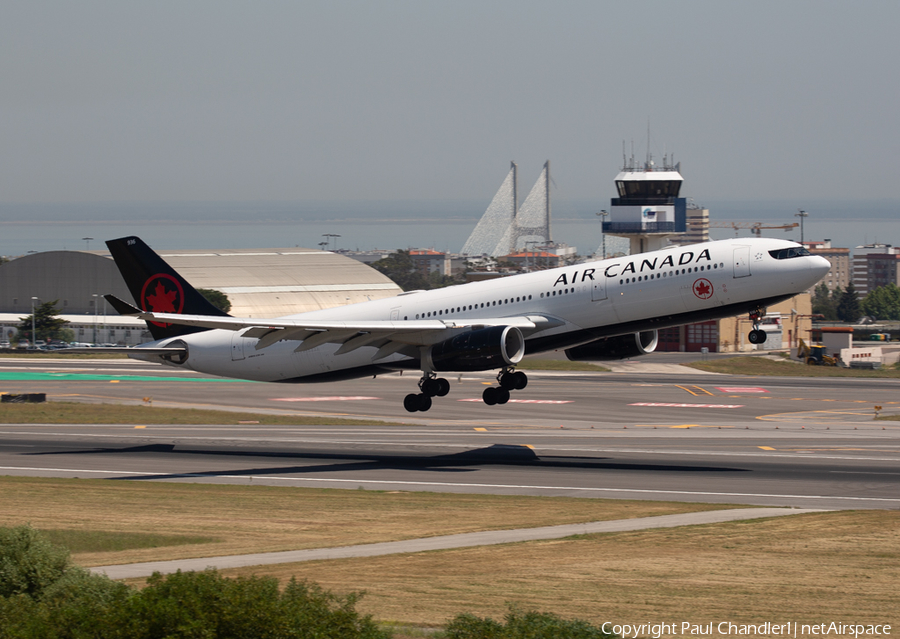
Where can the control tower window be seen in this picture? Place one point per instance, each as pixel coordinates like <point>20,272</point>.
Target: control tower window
<point>648,188</point>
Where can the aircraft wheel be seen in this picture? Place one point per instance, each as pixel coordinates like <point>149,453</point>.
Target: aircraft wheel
<point>490,395</point>
<point>444,387</point>
<point>430,387</point>
<point>502,395</point>
<point>757,337</point>
<point>411,402</point>
<point>424,403</point>
<point>521,380</point>
<point>508,381</point>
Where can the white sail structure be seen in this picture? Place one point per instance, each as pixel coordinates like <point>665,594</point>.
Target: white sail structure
<point>497,219</point>
<point>532,222</point>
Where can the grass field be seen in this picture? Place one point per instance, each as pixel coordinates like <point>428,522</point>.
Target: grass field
<point>834,566</point>
<point>248,519</point>
<point>77,413</point>
<point>840,566</point>
<point>764,366</point>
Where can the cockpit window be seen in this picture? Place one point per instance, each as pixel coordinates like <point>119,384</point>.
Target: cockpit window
<point>788,253</point>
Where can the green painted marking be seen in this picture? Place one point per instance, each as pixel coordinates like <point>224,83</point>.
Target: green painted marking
<point>14,376</point>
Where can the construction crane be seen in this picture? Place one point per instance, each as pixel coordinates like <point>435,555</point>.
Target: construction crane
<point>755,227</point>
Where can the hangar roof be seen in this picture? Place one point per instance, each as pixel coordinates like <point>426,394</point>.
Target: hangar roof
<point>259,282</point>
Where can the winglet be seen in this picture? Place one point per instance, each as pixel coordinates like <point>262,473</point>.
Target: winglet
<point>122,307</point>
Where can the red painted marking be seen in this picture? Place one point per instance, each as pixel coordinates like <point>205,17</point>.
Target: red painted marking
<point>741,389</point>
<point>688,405</point>
<point>158,296</point>
<point>321,399</point>
<point>703,288</point>
<point>524,401</point>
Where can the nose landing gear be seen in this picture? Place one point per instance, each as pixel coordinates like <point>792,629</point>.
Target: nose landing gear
<point>431,386</point>
<point>757,335</point>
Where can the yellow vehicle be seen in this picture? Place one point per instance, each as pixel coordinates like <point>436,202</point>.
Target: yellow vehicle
<point>815,355</point>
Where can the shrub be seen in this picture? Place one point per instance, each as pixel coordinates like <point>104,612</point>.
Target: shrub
<point>28,562</point>
<point>524,625</point>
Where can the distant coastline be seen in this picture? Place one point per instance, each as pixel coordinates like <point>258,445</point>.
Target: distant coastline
<point>444,225</point>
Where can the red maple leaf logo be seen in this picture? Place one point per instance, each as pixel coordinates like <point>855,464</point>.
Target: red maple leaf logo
<point>703,289</point>
<point>162,301</point>
<point>156,296</point>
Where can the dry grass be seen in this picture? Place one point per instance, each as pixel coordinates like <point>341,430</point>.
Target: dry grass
<point>841,566</point>
<point>763,366</point>
<point>73,413</point>
<point>249,519</point>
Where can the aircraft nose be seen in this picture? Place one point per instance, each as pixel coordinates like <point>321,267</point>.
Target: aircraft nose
<point>819,265</point>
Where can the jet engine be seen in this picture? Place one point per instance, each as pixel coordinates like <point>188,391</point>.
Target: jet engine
<point>612,348</point>
<point>478,350</point>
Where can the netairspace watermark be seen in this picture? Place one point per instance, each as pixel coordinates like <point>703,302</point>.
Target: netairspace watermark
<point>727,628</point>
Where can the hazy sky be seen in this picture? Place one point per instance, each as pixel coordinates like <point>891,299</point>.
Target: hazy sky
<point>384,100</point>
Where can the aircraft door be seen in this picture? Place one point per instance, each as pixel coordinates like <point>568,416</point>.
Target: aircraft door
<point>598,287</point>
<point>742,261</point>
<point>395,314</point>
<point>237,346</point>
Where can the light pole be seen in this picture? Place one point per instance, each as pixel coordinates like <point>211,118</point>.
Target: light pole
<point>33,334</point>
<point>801,214</point>
<point>96,304</point>
<point>87,243</point>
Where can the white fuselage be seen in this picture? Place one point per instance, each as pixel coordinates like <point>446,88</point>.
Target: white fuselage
<point>584,302</point>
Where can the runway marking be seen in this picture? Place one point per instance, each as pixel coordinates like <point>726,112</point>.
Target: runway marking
<point>668,405</point>
<point>825,415</point>
<point>680,426</point>
<point>858,472</point>
<point>741,389</point>
<point>382,482</point>
<point>685,388</point>
<point>481,430</point>
<point>766,447</point>
<point>322,399</point>
<point>525,401</point>
<point>688,426</point>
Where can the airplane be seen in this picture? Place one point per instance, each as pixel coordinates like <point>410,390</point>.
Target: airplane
<point>601,310</point>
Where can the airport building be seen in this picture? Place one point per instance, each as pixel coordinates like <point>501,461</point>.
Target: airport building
<point>258,283</point>
<point>876,269</point>
<point>840,273</point>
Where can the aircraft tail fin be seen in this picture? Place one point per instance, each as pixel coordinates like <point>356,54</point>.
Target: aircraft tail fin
<point>156,286</point>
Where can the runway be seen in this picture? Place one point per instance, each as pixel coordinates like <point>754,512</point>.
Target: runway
<point>798,442</point>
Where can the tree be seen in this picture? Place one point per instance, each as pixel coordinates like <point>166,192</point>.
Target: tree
<point>216,298</point>
<point>824,303</point>
<point>848,306</point>
<point>883,303</point>
<point>47,324</point>
<point>400,268</point>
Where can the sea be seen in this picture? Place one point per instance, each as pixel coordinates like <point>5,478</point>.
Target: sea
<point>387,225</point>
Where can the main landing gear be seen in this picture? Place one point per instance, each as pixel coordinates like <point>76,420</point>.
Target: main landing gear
<point>757,335</point>
<point>431,386</point>
<point>508,380</point>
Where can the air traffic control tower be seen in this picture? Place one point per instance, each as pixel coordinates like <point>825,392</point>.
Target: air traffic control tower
<point>648,210</point>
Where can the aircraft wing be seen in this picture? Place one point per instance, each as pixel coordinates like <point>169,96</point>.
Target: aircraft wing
<point>389,336</point>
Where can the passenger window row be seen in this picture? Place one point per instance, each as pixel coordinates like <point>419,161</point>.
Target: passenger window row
<point>463,309</point>
<point>665,274</point>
